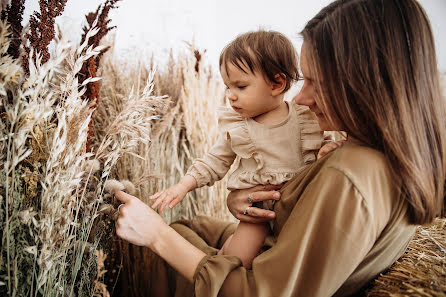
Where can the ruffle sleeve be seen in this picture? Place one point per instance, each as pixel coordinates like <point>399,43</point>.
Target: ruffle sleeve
<point>215,164</point>
<point>311,135</point>
<point>237,133</point>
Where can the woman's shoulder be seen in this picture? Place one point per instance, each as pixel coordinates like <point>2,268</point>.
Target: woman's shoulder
<point>355,157</point>
<point>368,170</point>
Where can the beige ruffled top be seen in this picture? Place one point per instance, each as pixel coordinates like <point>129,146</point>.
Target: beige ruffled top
<point>263,154</point>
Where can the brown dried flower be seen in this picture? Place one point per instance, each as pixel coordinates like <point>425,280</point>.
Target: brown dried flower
<point>13,14</point>
<point>42,29</point>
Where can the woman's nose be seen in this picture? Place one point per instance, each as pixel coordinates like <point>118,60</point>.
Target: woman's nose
<point>302,98</point>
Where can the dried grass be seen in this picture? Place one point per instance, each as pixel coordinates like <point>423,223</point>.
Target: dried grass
<point>50,191</point>
<point>185,129</point>
<point>421,271</point>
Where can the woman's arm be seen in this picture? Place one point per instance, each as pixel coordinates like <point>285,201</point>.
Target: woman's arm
<point>140,225</point>
<point>324,232</point>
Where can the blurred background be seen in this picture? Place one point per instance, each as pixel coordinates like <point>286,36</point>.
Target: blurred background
<point>148,26</point>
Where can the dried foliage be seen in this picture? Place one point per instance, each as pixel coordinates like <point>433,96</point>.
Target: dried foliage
<point>51,188</point>
<point>42,30</point>
<point>13,14</point>
<point>421,271</point>
<point>186,128</point>
<point>100,20</point>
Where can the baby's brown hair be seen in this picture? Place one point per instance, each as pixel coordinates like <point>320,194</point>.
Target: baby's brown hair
<point>268,52</point>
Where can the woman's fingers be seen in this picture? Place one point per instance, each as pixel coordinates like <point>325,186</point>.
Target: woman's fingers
<point>265,188</point>
<point>264,195</point>
<point>124,197</point>
<point>257,215</point>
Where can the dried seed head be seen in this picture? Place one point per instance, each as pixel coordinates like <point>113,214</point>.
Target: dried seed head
<point>90,197</point>
<point>106,209</point>
<point>112,186</point>
<point>107,197</point>
<point>128,187</point>
<point>93,165</point>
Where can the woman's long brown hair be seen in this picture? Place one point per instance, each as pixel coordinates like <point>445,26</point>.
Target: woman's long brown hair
<point>375,71</point>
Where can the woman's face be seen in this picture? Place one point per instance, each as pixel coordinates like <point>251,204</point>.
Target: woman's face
<point>307,95</point>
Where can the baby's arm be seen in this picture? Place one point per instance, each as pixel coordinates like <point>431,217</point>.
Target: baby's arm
<point>246,242</point>
<point>175,194</point>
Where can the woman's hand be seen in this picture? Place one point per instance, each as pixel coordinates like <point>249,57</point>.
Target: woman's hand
<point>137,222</point>
<point>238,203</point>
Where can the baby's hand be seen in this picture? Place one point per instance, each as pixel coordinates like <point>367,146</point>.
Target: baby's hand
<point>171,197</point>
<point>328,147</point>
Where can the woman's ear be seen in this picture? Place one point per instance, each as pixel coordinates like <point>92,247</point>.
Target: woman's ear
<point>278,87</point>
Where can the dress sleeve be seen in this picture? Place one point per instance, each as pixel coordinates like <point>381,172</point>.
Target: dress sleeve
<point>327,234</point>
<point>311,134</point>
<point>215,164</point>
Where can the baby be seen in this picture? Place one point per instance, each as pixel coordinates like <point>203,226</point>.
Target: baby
<point>271,139</point>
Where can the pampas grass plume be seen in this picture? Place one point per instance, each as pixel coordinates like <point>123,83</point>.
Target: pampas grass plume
<point>129,188</point>
<point>93,165</point>
<point>112,186</point>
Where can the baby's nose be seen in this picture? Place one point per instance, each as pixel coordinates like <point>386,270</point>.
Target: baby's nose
<point>231,96</point>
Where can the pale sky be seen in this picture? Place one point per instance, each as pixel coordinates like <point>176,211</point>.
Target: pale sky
<point>148,26</point>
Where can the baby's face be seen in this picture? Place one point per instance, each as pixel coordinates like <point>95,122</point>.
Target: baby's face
<point>248,93</point>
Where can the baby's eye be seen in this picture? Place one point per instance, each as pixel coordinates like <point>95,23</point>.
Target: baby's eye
<point>241,87</point>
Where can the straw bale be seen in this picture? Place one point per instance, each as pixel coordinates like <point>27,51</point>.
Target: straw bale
<point>421,271</point>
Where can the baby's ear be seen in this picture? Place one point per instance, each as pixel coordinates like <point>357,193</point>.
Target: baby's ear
<point>279,85</point>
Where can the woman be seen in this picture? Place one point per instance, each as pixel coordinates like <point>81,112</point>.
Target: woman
<point>370,69</point>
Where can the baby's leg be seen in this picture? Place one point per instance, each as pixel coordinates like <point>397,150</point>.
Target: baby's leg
<point>246,242</point>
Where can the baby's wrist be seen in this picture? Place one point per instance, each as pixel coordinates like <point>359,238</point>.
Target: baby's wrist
<point>188,182</point>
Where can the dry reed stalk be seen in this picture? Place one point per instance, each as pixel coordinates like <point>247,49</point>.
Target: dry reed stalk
<point>201,95</point>
<point>43,135</point>
<point>186,128</point>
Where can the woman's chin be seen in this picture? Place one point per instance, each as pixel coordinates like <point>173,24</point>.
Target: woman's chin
<point>324,124</point>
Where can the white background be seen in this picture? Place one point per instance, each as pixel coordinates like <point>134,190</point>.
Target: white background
<point>148,26</point>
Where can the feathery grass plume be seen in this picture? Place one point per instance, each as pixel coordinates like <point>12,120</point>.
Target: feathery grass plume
<point>120,100</point>
<point>13,14</point>
<point>42,141</point>
<point>173,144</point>
<point>112,186</point>
<point>42,30</point>
<point>61,197</point>
<point>24,104</point>
<point>201,95</point>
